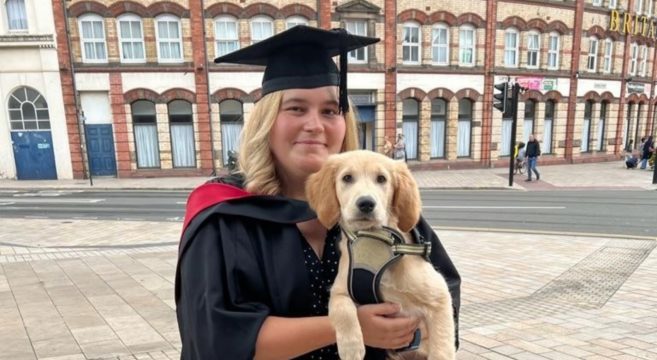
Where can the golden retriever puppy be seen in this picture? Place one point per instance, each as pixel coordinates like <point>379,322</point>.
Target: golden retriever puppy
<point>364,190</point>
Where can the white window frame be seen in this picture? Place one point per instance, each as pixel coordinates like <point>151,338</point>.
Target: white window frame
<point>411,45</point>
<point>554,53</point>
<point>643,64</point>
<point>355,27</point>
<point>634,57</point>
<point>168,18</point>
<point>592,57</point>
<point>130,18</point>
<point>295,20</point>
<point>435,46</point>
<point>638,6</point>
<point>608,58</point>
<point>95,40</point>
<point>22,19</point>
<point>261,21</point>
<point>613,4</point>
<point>536,50</point>
<point>472,47</point>
<point>220,37</point>
<point>597,2</point>
<point>508,49</point>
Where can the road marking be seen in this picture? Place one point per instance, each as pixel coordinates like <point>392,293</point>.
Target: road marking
<point>52,201</point>
<point>5,203</point>
<point>544,232</point>
<point>494,207</point>
<point>181,202</point>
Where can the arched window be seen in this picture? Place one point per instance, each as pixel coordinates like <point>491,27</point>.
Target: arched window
<point>411,36</point>
<point>410,122</point>
<point>181,124</point>
<point>464,128</point>
<point>586,126</point>
<point>440,44</point>
<point>553,51</point>
<point>231,118</point>
<point>637,126</point>
<point>293,21</point>
<point>548,126</point>
<point>131,38</point>
<point>511,45</point>
<point>530,116</point>
<point>629,121</point>
<point>92,38</point>
<point>438,126</point>
<point>467,45</point>
<point>28,110</point>
<point>145,128</point>
<point>16,15</point>
<point>262,27</point>
<point>602,122</point>
<point>533,49</point>
<point>226,35</point>
<point>169,39</point>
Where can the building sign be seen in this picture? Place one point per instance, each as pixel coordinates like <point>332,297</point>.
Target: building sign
<point>600,86</point>
<point>638,88</point>
<point>537,83</point>
<point>627,23</point>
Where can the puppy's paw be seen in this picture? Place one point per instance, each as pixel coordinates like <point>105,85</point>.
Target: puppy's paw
<point>351,349</point>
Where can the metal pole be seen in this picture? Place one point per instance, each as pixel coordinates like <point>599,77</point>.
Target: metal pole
<point>86,148</point>
<point>515,89</point>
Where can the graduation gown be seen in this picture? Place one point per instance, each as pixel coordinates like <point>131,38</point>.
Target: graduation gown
<point>241,260</point>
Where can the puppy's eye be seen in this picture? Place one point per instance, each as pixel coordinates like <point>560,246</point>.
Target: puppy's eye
<point>381,179</point>
<point>348,178</point>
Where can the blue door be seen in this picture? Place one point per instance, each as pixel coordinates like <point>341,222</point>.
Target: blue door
<point>100,145</point>
<point>34,156</point>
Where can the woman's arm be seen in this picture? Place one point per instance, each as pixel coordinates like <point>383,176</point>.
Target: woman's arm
<point>286,338</point>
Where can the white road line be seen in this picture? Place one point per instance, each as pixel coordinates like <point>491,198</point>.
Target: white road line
<point>181,202</point>
<point>495,207</point>
<point>52,201</point>
<point>5,203</point>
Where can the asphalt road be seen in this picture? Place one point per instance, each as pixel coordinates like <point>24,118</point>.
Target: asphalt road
<point>601,212</point>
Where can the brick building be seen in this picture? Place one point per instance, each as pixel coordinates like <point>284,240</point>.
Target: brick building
<point>154,104</point>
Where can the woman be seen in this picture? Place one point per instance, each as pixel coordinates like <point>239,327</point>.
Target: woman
<point>400,148</point>
<point>255,266</point>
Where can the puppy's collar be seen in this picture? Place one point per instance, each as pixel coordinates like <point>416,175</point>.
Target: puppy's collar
<point>395,240</point>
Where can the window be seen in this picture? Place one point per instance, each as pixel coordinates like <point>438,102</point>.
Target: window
<point>262,27</point>
<point>613,4</point>
<point>634,54</point>
<point>438,122</point>
<point>293,21</point>
<point>440,44</point>
<point>181,125</point>
<point>533,50</point>
<point>28,110</point>
<point>467,46</point>
<point>169,39</point>
<point>411,43</point>
<point>601,126</point>
<point>592,60</point>
<point>92,38</point>
<point>410,121</point>
<point>528,124</point>
<point>131,38</point>
<point>628,123</point>
<point>586,126</point>
<point>357,28</point>
<point>638,6</point>
<point>637,127</point>
<point>225,30</point>
<point>16,15</point>
<point>650,5</point>
<point>597,2</point>
<point>511,48</point>
<point>644,60</point>
<point>548,124</point>
<point>145,128</point>
<point>464,128</point>
<point>609,51</point>
<point>231,118</point>
<point>553,51</point>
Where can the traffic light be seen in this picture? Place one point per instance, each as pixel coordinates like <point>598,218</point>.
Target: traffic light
<point>501,100</point>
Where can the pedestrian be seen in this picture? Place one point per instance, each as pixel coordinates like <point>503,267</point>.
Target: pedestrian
<point>255,265</point>
<point>646,151</point>
<point>632,161</point>
<point>629,146</point>
<point>388,147</point>
<point>532,153</point>
<point>400,147</point>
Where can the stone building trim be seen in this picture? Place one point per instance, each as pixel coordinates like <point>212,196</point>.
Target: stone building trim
<point>261,9</point>
<point>557,26</point>
<point>634,98</point>
<point>471,18</point>
<point>230,94</point>
<point>440,93</point>
<point>443,17</point>
<point>166,7</point>
<point>123,7</point>
<point>169,95</point>
<point>413,15</point>
<point>141,94</point>
<point>85,7</point>
<point>608,97</point>
<point>177,94</point>
<point>255,95</point>
<point>413,93</point>
<point>223,8</point>
<point>299,10</point>
<point>537,24</point>
<point>593,96</point>
<point>468,93</point>
<point>553,95</point>
<point>598,32</point>
<point>119,8</point>
<point>515,22</point>
<point>532,95</point>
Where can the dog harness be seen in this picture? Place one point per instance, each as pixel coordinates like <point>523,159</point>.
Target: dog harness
<point>371,252</point>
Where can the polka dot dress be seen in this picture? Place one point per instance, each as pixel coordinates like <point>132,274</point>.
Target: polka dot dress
<point>321,273</point>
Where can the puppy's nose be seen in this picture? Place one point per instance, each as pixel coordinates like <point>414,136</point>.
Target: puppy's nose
<point>366,204</point>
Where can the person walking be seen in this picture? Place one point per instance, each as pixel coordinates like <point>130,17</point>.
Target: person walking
<point>532,153</point>
<point>400,148</point>
<point>646,152</point>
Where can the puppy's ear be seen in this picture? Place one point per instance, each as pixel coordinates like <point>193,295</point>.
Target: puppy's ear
<point>406,203</point>
<point>320,192</point>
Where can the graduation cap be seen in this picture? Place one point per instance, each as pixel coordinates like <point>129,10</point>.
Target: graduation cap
<point>301,58</point>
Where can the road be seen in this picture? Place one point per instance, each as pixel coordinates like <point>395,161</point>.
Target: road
<point>601,212</point>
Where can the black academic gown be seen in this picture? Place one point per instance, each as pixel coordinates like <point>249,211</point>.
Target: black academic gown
<point>241,260</point>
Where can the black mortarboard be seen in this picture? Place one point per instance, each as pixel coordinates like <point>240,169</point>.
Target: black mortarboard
<point>301,58</point>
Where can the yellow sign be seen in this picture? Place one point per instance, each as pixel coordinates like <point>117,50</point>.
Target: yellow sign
<point>627,23</point>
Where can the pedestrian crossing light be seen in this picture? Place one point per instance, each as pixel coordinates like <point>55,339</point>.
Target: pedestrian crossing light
<point>501,100</point>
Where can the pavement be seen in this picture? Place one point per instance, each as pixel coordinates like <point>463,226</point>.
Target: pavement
<point>92,289</point>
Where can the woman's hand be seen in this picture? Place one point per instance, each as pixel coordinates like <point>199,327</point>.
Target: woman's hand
<point>384,328</point>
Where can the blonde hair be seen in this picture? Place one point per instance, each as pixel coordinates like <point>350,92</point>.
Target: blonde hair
<point>255,160</point>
